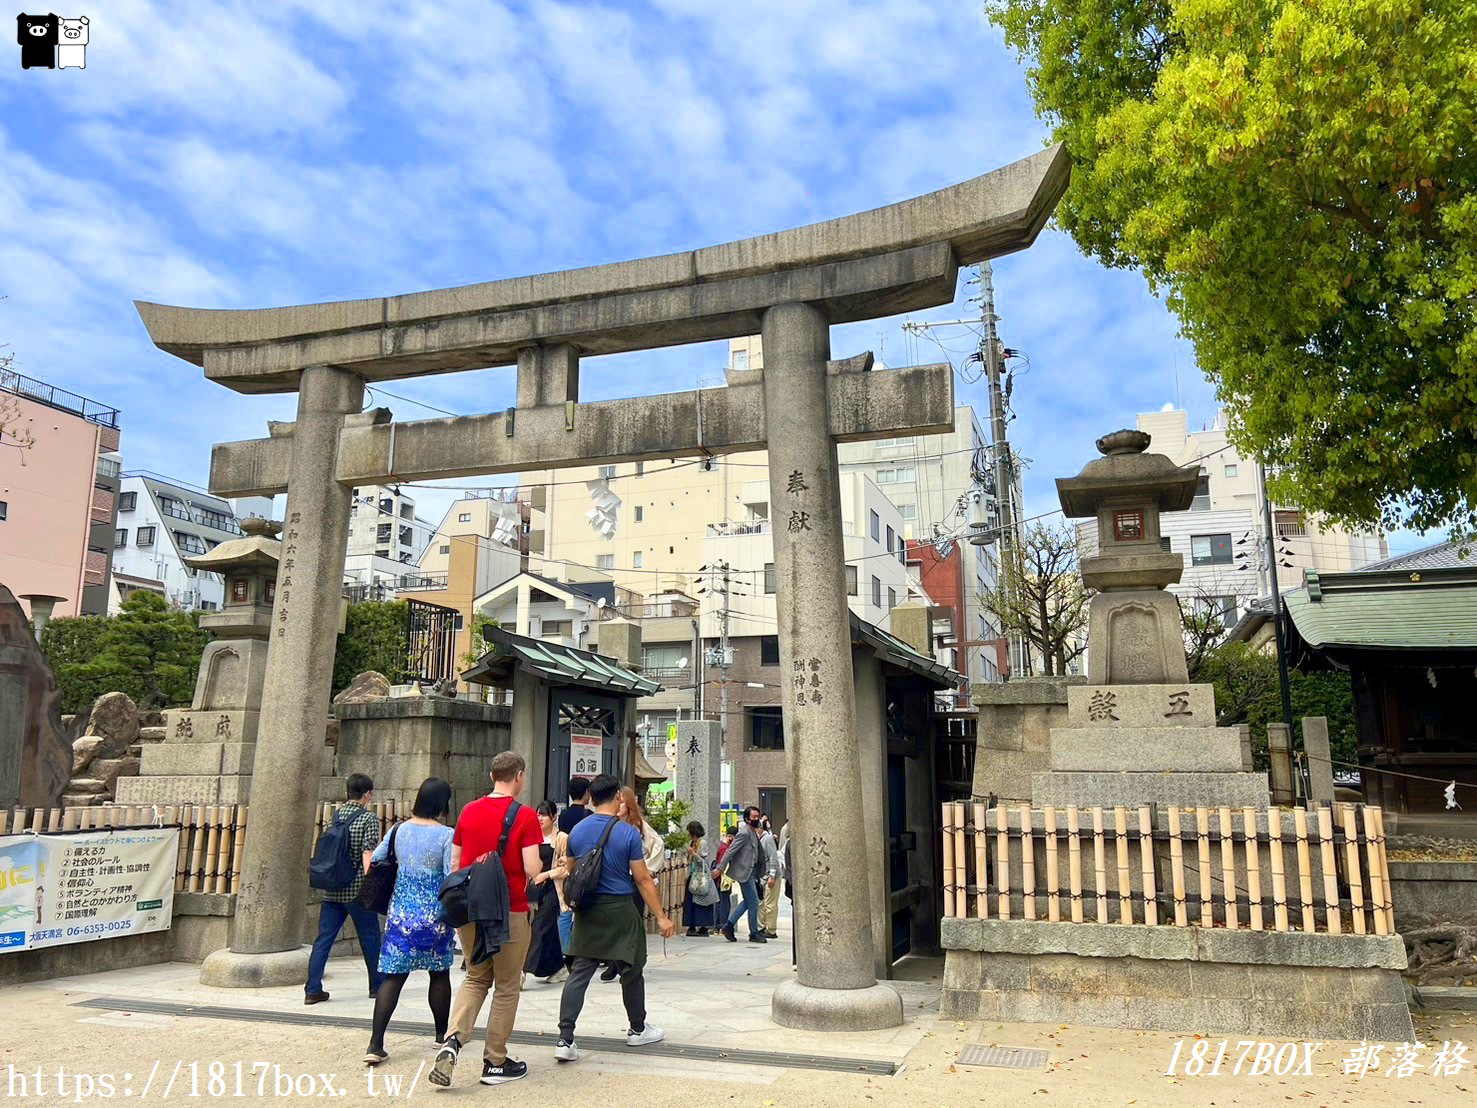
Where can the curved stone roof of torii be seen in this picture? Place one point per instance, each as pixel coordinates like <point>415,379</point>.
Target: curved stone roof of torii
<point>891,259</point>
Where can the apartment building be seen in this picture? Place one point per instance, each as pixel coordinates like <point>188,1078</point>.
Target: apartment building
<point>59,474</point>
<point>161,522</point>
<point>1223,535</point>
<point>386,541</point>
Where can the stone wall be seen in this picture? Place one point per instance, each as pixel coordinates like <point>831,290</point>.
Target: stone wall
<point>1210,981</point>
<point>1441,890</point>
<point>1014,734</point>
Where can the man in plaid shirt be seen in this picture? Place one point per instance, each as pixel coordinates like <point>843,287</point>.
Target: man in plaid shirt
<point>341,904</point>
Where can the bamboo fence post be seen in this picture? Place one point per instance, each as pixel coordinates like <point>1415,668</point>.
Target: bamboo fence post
<point>223,859</point>
<point>1373,845</point>
<point>1053,876</point>
<point>1202,855</point>
<point>1177,866</point>
<point>1074,862</point>
<point>1028,864</point>
<point>212,845</point>
<point>1146,861</point>
<point>961,863</point>
<point>54,820</point>
<point>197,844</point>
<point>1100,864</point>
<point>1253,870</point>
<point>69,819</point>
<point>38,819</point>
<point>1228,868</point>
<point>4,821</point>
<point>1330,871</point>
<point>981,866</point>
<point>950,878</point>
<point>1351,859</point>
<point>1120,849</point>
<point>1279,883</point>
<point>1379,823</point>
<point>1002,859</point>
<point>1305,869</point>
<point>180,815</point>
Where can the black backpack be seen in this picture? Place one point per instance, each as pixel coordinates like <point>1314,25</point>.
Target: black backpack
<point>334,866</point>
<point>453,894</point>
<point>584,878</point>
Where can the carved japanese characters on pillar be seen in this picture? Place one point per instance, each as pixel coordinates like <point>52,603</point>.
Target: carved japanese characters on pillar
<point>1179,704</point>
<point>1101,707</point>
<point>806,681</point>
<point>819,869</point>
<point>289,560</point>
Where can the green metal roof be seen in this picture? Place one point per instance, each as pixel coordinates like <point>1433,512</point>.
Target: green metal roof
<point>556,664</point>
<point>891,649</point>
<point>1430,609</point>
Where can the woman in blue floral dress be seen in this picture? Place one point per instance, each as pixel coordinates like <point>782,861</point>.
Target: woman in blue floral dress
<point>416,937</point>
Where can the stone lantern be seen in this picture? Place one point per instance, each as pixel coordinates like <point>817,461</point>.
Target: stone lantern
<point>208,749</point>
<point>1134,630</point>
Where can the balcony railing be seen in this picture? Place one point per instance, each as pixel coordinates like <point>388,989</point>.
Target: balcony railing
<point>752,527</point>
<point>665,672</point>
<point>204,517</point>
<point>421,582</point>
<point>90,410</point>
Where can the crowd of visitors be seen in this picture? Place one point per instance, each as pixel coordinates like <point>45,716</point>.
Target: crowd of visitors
<point>525,892</point>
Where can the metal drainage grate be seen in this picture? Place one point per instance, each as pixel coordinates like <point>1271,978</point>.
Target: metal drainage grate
<point>1003,1057</point>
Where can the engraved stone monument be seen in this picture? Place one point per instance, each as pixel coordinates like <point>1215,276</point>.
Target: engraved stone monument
<point>1138,732</point>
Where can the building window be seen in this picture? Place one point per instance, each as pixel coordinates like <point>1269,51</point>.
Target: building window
<point>1128,526</point>
<point>1201,503</point>
<point>636,559</point>
<point>4,509</point>
<point>446,548</point>
<point>383,532</point>
<point>127,501</point>
<point>740,361</point>
<point>877,592</point>
<point>240,587</point>
<point>557,627</point>
<point>1164,542</point>
<point>891,599</point>
<point>876,525</point>
<point>1222,607</point>
<point>271,592</point>
<point>120,537</point>
<point>640,469</point>
<point>607,472</point>
<point>769,578</point>
<point>382,553</point>
<point>604,561</point>
<point>1210,550</point>
<point>464,517</point>
<point>851,580</point>
<point>144,537</point>
<point>1231,470</point>
<point>766,729</point>
<point>639,513</point>
<point>903,475</point>
<point>891,540</point>
<point>769,650</point>
<point>908,511</point>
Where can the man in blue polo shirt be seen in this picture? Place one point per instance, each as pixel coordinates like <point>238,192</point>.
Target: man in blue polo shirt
<point>610,929</point>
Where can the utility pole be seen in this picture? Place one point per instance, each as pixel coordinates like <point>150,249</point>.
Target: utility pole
<point>1277,624</point>
<point>1000,448</point>
<point>722,572</point>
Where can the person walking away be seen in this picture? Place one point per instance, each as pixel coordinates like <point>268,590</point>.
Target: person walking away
<point>653,849</point>
<point>477,835</point>
<point>545,956</point>
<point>609,929</point>
<point>577,808</point>
<point>416,936</point>
<point>743,861</point>
<point>769,908</point>
<point>699,909</point>
<point>724,883</point>
<point>341,904</point>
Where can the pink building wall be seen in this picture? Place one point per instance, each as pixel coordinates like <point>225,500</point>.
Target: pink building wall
<point>48,491</point>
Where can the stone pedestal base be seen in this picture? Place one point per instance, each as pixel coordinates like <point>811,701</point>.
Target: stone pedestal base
<point>808,1009</point>
<point>226,969</point>
<point>1107,788</point>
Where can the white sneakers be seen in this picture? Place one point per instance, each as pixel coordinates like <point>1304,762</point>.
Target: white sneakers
<point>561,974</point>
<point>650,1034</point>
<point>568,1052</point>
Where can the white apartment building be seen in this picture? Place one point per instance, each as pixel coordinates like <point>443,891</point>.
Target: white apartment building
<point>477,515</point>
<point>1223,535</point>
<point>386,541</point>
<point>163,521</point>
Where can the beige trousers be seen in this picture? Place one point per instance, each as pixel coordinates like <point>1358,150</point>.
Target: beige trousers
<point>769,908</point>
<point>502,975</point>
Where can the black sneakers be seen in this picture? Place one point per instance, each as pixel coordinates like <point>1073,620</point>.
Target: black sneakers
<point>445,1062</point>
<point>758,937</point>
<point>727,933</point>
<point>510,1070</point>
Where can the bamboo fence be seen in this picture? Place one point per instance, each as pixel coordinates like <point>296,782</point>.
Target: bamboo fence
<point>1208,867</point>
<point>211,835</point>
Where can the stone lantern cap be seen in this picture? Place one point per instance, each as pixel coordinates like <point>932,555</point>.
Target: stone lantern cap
<point>259,549</point>
<point>1127,473</point>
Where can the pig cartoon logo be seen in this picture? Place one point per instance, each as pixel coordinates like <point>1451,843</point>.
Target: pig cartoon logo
<point>37,35</point>
<point>71,50</point>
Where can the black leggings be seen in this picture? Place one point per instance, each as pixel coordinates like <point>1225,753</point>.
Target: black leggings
<point>389,995</point>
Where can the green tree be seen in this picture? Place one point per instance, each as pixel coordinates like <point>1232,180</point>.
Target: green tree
<point>70,642</point>
<point>1298,178</point>
<point>376,636</point>
<point>1247,691</point>
<point>148,650</point>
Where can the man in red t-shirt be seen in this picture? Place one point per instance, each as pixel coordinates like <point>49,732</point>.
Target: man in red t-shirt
<point>478,830</point>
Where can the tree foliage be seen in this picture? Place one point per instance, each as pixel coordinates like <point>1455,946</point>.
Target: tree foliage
<point>375,637</point>
<point>1298,178</point>
<point>148,650</point>
<point>1040,596</point>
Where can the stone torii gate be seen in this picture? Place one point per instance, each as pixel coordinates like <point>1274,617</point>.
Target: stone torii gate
<point>790,286</point>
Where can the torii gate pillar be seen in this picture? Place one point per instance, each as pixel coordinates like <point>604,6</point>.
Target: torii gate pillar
<point>836,986</point>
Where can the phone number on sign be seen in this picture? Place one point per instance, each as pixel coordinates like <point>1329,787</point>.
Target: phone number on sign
<point>1205,1058</point>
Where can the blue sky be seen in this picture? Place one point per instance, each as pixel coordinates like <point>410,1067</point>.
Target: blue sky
<point>244,155</point>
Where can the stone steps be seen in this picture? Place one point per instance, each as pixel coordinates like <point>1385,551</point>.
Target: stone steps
<point>152,734</point>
